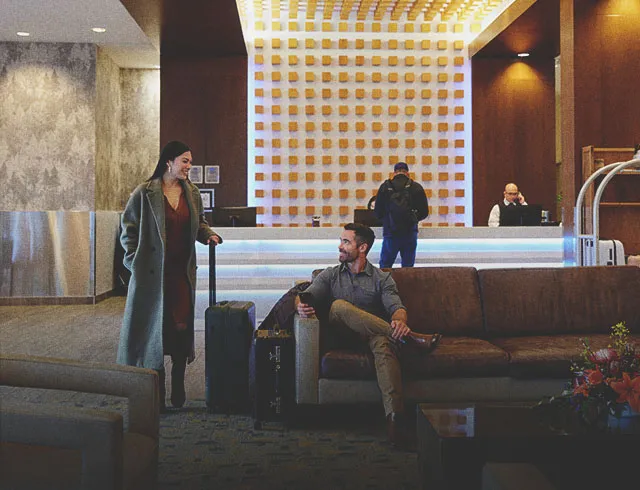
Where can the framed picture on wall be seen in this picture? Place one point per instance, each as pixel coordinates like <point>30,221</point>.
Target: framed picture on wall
<point>195,174</point>
<point>207,198</point>
<point>212,174</point>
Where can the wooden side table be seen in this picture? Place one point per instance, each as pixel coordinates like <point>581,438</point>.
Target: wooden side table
<point>456,440</point>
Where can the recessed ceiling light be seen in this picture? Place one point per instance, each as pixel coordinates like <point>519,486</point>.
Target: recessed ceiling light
<point>23,34</point>
<point>523,55</point>
<point>98,29</point>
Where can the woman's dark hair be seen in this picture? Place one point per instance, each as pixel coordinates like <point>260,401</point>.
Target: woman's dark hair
<point>170,151</point>
<point>364,234</point>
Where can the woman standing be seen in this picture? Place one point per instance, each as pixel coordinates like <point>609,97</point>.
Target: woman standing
<point>160,224</point>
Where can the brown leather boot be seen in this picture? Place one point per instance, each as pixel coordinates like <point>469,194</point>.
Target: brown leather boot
<point>398,432</point>
<point>178,395</point>
<point>428,342</point>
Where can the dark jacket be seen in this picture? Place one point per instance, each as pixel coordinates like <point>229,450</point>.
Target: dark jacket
<point>419,202</point>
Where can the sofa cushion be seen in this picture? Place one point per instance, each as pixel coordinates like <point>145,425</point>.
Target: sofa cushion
<point>347,364</point>
<point>570,300</point>
<point>546,356</point>
<point>441,299</point>
<point>455,357</point>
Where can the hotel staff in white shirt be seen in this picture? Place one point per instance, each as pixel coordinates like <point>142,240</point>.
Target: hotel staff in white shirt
<point>511,196</point>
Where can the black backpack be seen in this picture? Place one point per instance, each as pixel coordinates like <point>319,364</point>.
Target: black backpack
<point>402,216</point>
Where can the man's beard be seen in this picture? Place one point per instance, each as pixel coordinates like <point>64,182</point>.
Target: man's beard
<point>345,258</point>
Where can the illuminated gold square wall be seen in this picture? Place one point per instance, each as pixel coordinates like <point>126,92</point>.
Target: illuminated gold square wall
<point>335,104</point>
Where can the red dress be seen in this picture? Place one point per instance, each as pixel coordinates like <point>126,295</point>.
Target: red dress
<point>176,332</point>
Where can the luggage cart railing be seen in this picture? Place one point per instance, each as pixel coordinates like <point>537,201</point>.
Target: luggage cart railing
<point>588,243</point>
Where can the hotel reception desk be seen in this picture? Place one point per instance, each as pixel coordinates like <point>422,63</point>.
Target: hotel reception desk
<point>260,264</point>
<point>68,257</point>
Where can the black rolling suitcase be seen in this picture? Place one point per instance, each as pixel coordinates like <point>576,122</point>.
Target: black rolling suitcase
<point>229,327</point>
<point>272,377</point>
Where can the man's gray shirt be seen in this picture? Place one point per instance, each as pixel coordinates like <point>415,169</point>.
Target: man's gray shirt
<point>371,290</point>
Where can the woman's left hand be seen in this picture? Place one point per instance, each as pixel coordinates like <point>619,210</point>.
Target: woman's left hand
<point>214,238</point>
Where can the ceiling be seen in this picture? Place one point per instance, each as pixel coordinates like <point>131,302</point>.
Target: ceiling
<point>138,30</point>
<point>66,21</point>
<point>427,10</point>
<point>536,31</point>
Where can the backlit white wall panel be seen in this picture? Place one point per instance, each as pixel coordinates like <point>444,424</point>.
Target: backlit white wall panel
<point>334,104</point>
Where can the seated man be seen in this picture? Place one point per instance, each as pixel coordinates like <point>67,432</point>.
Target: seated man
<point>365,299</point>
<point>512,197</point>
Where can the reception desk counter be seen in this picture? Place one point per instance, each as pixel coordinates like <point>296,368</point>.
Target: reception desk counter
<point>68,257</point>
<point>260,264</point>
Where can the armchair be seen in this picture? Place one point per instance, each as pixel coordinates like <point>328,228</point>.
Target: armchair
<point>49,446</point>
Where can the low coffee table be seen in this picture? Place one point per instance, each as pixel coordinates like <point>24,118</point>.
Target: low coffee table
<point>456,440</point>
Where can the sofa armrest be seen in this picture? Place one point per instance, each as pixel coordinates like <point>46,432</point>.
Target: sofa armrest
<point>307,338</point>
<point>96,434</point>
<point>138,385</point>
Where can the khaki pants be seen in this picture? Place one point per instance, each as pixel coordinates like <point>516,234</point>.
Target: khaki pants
<point>384,349</point>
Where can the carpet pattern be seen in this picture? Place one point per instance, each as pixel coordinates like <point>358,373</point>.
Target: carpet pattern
<point>326,448</point>
<point>226,451</point>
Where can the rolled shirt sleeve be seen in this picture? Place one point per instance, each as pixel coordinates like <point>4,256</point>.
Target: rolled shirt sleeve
<point>390,297</point>
<point>320,287</point>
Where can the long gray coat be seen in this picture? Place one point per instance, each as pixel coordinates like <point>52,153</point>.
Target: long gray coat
<point>143,239</point>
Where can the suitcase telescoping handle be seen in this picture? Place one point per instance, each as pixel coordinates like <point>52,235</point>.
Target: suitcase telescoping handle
<point>212,273</point>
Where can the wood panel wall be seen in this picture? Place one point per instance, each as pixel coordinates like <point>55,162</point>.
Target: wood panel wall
<point>600,69</point>
<point>513,132</point>
<point>203,102</point>
<point>607,73</point>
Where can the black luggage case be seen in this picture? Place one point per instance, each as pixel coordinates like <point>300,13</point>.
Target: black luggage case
<point>272,377</point>
<point>229,327</point>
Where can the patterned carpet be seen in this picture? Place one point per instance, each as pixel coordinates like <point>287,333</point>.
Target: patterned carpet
<point>325,449</point>
<point>202,450</point>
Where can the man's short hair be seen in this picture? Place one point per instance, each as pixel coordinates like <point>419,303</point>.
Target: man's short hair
<point>364,234</point>
<point>401,166</point>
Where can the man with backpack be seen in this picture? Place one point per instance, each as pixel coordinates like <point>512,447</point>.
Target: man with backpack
<point>400,203</point>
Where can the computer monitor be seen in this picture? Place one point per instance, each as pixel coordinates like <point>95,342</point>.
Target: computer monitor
<point>233,216</point>
<point>530,215</point>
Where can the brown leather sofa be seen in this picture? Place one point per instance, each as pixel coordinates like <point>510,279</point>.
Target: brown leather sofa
<point>508,334</point>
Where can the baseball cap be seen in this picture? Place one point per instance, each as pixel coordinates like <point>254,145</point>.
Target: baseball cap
<point>400,166</point>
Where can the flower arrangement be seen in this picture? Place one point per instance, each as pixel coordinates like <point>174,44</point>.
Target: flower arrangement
<point>605,381</point>
<point>607,378</point>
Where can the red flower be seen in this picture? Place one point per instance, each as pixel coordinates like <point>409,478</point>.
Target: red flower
<point>594,376</point>
<point>628,390</point>
<point>581,389</point>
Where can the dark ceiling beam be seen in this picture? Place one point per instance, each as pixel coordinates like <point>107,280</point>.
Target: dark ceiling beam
<point>190,28</point>
<point>504,20</point>
<point>148,15</point>
<point>536,31</point>
<point>202,28</point>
